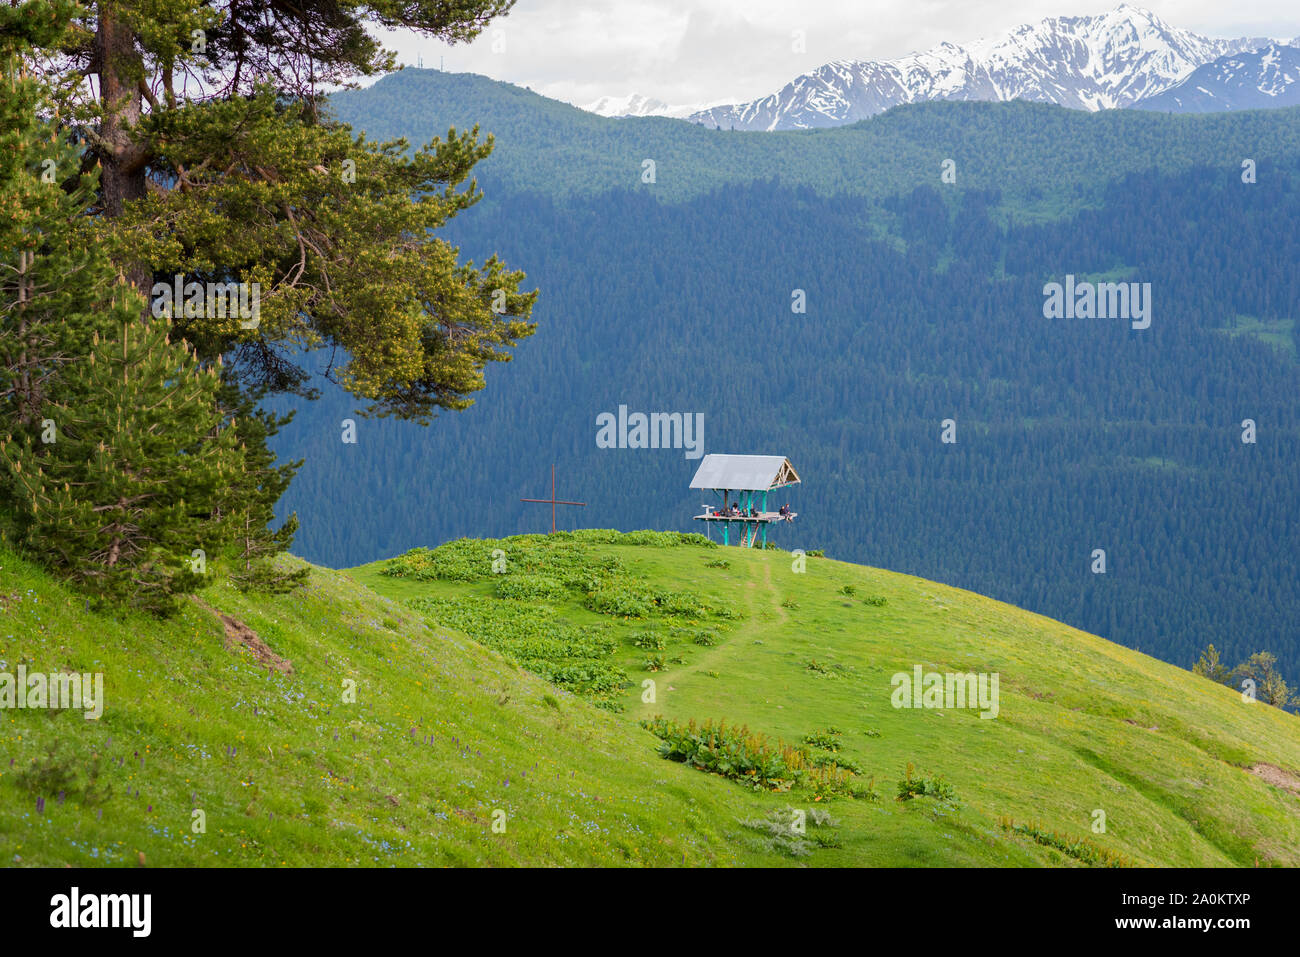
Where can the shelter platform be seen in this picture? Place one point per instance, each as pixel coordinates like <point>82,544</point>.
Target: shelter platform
<point>760,517</point>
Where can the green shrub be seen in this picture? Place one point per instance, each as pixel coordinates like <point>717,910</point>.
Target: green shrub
<point>597,536</point>
<point>732,752</point>
<point>633,598</point>
<point>783,835</point>
<point>828,669</point>
<point>749,757</point>
<point>826,740</point>
<point>473,560</point>
<point>530,588</point>
<point>836,760</point>
<point>575,658</point>
<point>935,787</point>
<point>665,539</point>
<point>622,598</point>
<point>649,641</point>
<point>62,773</point>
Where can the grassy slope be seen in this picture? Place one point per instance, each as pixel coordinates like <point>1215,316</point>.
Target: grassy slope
<point>1085,724</point>
<point>311,779</point>
<point>316,781</point>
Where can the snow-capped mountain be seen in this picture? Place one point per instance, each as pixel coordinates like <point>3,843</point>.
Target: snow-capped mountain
<point>1240,81</point>
<point>634,104</point>
<point>1096,62</point>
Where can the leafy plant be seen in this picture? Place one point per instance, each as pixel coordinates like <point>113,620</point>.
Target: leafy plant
<point>649,641</point>
<point>932,787</point>
<point>576,658</point>
<point>705,638</point>
<point>749,757</point>
<point>828,669</point>
<point>1080,848</point>
<point>826,740</point>
<point>793,833</point>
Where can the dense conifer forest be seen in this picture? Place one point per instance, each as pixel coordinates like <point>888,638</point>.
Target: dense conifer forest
<point>922,305</point>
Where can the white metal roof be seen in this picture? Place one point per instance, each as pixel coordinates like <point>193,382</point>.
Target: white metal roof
<point>747,473</point>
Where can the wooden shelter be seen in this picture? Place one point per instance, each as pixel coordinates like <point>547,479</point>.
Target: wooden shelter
<point>751,477</point>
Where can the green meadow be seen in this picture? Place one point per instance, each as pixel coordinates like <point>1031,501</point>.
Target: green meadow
<point>487,703</point>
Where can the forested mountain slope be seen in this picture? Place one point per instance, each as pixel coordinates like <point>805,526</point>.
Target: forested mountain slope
<point>923,304</point>
<point>1027,151</point>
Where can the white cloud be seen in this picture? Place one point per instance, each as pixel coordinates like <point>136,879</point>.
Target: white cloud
<point>711,51</point>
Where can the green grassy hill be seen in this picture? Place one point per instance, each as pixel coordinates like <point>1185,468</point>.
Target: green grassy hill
<point>446,730</point>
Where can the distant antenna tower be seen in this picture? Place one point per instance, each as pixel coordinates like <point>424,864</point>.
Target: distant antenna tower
<point>419,61</point>
<point>441,60</point>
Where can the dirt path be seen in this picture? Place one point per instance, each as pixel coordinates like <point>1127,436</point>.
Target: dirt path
<point>761,597</point>
<point>1276,776</point>
<point>782,616</point>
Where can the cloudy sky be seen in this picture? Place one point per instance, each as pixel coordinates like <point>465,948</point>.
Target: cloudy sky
<point>714,51</point>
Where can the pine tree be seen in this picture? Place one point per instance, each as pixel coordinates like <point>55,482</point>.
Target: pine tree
<point>54,282</point>
<point>116,466</point>
<point>222,164</point>
<point>126,501</point>
<point>1209,666</point>
<point>1261,668</point>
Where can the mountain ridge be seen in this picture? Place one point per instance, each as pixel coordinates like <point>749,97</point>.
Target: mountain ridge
<point>1110,60</point>
<point>1268,78</point>
<point>552,147</point>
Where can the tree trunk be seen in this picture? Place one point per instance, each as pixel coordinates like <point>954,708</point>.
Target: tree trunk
<point>123,159</point>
